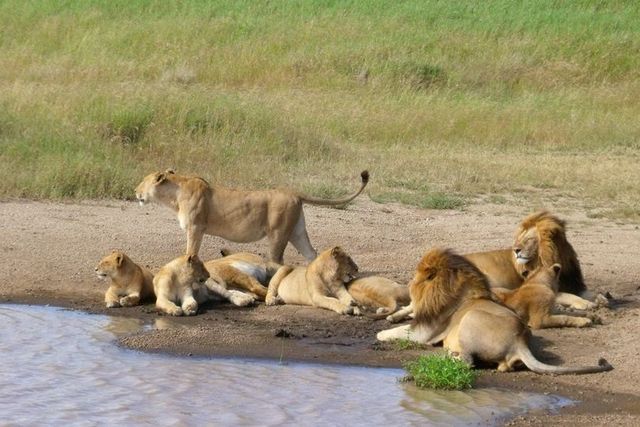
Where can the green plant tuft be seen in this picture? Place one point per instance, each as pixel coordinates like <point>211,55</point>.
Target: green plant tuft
<point>440,372</point>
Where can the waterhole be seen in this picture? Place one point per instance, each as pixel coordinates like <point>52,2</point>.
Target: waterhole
<point>62,367</point>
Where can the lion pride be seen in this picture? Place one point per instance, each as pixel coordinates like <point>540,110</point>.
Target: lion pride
<point>236,215</point>
<point>453,304</point>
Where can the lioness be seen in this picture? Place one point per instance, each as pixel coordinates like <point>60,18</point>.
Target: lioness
<point>181,281</point>
<point>243,271</point>
<point>130,283</point>
<point>535,299</point>
<point>540,241</point>
<point>236,215</point>
<point>381,293</point>
<point>453,303</point>
<point>321,284</point>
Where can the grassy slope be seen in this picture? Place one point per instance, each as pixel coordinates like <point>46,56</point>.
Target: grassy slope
<point>459,102</point>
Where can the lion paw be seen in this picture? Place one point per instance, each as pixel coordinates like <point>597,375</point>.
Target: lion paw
<point>583,321</point>
<point>240,299</point>
<point>357,311</point>
<point>583,305</point>
<point>113,304</point>
<point>190,308</point>
<point>271,300</point>
<point>175,311</point>
<point>128,301</point>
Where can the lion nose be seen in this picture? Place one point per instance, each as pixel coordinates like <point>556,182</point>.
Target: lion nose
<point>95,269</point>
<point>517,250</point>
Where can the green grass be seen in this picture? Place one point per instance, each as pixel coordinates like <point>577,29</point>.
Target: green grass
<point>440,372</point>
<point>442,101</point>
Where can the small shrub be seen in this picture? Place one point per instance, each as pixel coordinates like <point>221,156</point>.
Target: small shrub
<point>441,201</point>
<point>440,372</point>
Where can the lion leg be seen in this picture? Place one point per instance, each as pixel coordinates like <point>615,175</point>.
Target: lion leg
<point>573,301</point>
<point>111,298</point>
<point>189,303</point>
<point>236,298</point>
<point>561,320</point>
<point>245,281</point>
<point>300,240</point>
<point>277,244</point>
<point>401,314</point>
<point>397,333</point>
<point>272,297</point>
<point>194,239</point>
<point>130,300</point>
<point>166,306</point>
<point>331,303</point>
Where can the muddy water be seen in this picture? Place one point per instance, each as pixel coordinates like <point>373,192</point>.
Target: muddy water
<point>61,367</point>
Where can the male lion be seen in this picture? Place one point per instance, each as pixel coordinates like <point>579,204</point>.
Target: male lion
<point>381,293</point>
<point>321,284</point>
<point>242,271</point>
<point>181,281</point>
<point>535,299</point>
<point>540,241</point>
<point>236,215</point>
<point>453,304</point>
<point>130,283</point>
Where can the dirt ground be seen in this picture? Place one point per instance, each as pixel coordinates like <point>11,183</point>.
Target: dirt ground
<point>50,251</point>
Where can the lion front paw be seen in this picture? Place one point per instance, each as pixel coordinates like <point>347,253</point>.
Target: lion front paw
<point>271,300</point>
<point>113,304</point>
<point>357,311</point>
<point>129,301</point>
<point>240,299</point>
<point>190,308</point>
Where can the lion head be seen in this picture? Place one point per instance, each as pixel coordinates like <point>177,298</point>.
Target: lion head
<point>541,241</point>
<point>193,271</point>
<point>442,282</point>
<point>548,276</point>
<point>336,265</point>
<point>147,189</point>
<point>112,264</point>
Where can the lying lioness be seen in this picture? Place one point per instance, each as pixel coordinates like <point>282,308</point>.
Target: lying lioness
<point>236,215</point>
<point>181,281</point>
<point>321,284</point>
<point>535,299</point>
<point>382,294</point>
<point>242,271</point>
<point>130,283</point>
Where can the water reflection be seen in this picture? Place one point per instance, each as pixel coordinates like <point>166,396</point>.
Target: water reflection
<point>60,367</point>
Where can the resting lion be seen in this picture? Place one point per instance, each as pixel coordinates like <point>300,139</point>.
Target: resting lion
<point>453,303</point>
<point>181,281</point>
<point>321,284</point>
<point>540,241</point>
<point>242,271</point>
<point>535,299</point>
<point>130,283</point>
<point>383,294</point>
<point>236,215</point>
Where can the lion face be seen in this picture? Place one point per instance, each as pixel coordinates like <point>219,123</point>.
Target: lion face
<point>109,265</point>
<point>525,247</point>
<point>346,269</point>
<point>548,276</point>
<point>146,190</point>
<point>196,271</point>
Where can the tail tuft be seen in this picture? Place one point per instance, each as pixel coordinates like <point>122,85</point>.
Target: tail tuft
<point>365,176</point>
<point>603,363</point>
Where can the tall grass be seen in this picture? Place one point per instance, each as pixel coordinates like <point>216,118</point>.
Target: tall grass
<point>445,102</point>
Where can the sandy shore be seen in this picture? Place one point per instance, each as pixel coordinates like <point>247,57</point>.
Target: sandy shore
<point>50,251</point>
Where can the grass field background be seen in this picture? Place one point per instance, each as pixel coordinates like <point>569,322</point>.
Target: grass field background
<point>446,103</point>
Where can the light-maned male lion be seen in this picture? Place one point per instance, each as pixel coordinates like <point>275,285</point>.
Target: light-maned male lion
<point>540,241</point>
<point>242,271</point>
<point>453,303</point>
<point>130,283</point>
<point>382,294</point>
<point>181,281</point>
<point>535,299</point>
<point>236,215</point>
<point>321,284</point>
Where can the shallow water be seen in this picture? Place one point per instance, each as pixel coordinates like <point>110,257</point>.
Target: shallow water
<point>61,367</point>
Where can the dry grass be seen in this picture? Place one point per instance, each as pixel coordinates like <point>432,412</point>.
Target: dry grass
<point>445,103</point>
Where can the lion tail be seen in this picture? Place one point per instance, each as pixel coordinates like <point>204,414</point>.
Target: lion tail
<point>364,176</point>
<point>542,368</point>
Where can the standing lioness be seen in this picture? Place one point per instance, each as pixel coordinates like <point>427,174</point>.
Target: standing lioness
<point>236,215</point>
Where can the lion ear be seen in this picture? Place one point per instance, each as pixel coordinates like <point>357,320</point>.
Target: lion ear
<point>170,171</point>
<point>430,273</point>
<point>119,259</point>
<point>337,250</point>
<point>192,259</point>
<point>556,268</point>
<point>161,177</point>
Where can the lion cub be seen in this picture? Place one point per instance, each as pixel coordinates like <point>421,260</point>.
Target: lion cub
<point>130,283</point>
<point>181,281</point>
<point>321,284</point>
<point>535,299</point>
